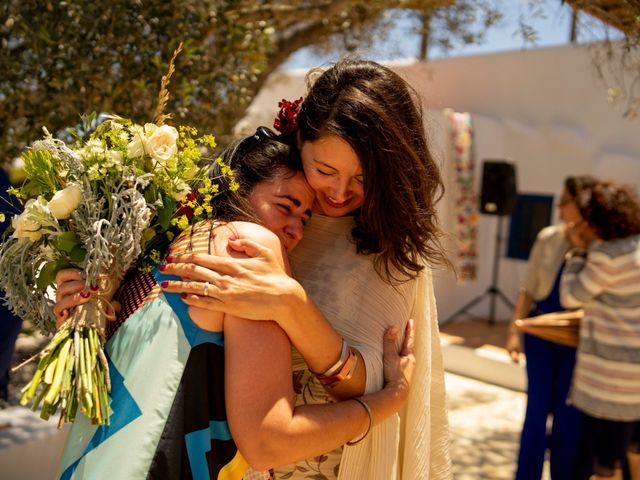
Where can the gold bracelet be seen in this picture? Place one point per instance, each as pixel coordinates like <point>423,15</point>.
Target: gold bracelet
<point>370,413</point>
<point>344,373</point>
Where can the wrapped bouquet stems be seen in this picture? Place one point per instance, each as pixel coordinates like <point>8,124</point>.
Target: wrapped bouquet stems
<point>72,370</point>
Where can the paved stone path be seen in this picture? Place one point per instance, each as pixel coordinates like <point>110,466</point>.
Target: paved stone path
<point>485,422</point>
<point>485,425</point>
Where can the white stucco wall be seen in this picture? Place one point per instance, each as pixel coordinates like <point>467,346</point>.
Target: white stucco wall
<point>543,109</point>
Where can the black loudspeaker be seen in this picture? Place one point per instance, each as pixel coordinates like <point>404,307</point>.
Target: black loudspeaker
<point>499,193</point>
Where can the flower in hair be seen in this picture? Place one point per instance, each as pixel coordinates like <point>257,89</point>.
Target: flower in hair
<point>286,121</point>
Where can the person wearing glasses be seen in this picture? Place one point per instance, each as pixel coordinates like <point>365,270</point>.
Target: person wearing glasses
<point>549,364</point>
<point>196,395</point>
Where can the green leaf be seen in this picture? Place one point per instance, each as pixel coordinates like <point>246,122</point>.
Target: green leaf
<point>77,254</point>
<point>147,236</point>
<point>40,167</point>
<point>73,132</point>
<point>67,242</point>
<point>47,275</point>
<point>31,189</point>
<point>166,213</point>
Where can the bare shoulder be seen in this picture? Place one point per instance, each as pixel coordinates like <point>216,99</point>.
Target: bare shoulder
<point>238,229</point>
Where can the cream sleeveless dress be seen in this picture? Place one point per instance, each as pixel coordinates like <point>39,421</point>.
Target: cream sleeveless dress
<point>361,306</point>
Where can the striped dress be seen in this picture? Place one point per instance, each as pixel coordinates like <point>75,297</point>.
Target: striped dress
<point>606,284</point>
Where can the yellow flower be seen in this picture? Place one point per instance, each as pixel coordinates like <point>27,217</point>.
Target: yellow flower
<point>154,255</point>
<point>146,268</point>
<point>182,222</point>
<point>208,140</point>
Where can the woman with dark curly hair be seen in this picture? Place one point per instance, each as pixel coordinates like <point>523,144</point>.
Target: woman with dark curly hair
<point>603,277</point>
<point>363,266</point>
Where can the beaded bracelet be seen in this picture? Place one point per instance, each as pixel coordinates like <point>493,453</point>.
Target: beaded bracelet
<point>370,414</point>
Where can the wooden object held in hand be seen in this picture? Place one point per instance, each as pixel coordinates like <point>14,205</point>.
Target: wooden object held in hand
<point>559,327</point>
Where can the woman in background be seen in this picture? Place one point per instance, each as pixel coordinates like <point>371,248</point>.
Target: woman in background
<point>603,277</point>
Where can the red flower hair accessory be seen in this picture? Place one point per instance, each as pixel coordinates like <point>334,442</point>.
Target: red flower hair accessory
<point>286,121</point>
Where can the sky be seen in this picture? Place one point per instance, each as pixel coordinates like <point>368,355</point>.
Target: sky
<point>552,25</point>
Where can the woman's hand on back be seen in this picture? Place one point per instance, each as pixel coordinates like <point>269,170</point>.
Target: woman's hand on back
<point>399,365</point>
<point>256,288</point>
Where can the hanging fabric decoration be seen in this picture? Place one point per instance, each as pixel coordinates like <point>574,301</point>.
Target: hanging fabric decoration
<point>465,198</point>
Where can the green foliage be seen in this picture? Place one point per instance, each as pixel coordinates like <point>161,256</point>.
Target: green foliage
<point>47,275</point>
<point>62,59</point>
<point>166,213</point>
<point>40,167</point>
<point>65,242</point>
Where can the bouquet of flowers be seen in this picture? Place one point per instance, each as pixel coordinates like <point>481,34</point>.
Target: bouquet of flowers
<point>104,204</point>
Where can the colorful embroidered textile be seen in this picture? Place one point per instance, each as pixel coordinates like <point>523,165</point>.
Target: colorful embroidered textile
<point>465,196</point>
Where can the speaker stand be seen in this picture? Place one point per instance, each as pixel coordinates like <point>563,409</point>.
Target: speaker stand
<point>493,292</point>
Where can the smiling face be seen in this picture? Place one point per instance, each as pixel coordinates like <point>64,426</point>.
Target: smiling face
<point>284,205</point>
<point>334,172</point>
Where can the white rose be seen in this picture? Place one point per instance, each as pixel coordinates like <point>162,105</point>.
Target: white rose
<point>24,225</point>
<point>65,201</point>
<point>162,144</point>
<point>138,145</point>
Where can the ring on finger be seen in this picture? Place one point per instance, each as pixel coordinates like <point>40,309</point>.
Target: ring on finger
<point>205,290</point>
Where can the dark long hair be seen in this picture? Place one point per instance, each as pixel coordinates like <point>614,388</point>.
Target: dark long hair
<point>261,157</point>
<point>612,209</point>
<point>377,113</point>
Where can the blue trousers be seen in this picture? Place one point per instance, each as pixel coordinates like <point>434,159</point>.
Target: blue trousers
<point>9,329</point>
<point>549,370</point>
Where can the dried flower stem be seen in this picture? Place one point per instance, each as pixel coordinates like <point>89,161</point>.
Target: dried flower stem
<point>163,96</point>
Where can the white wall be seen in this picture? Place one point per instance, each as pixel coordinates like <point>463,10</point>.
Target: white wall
<point>543,109</point>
